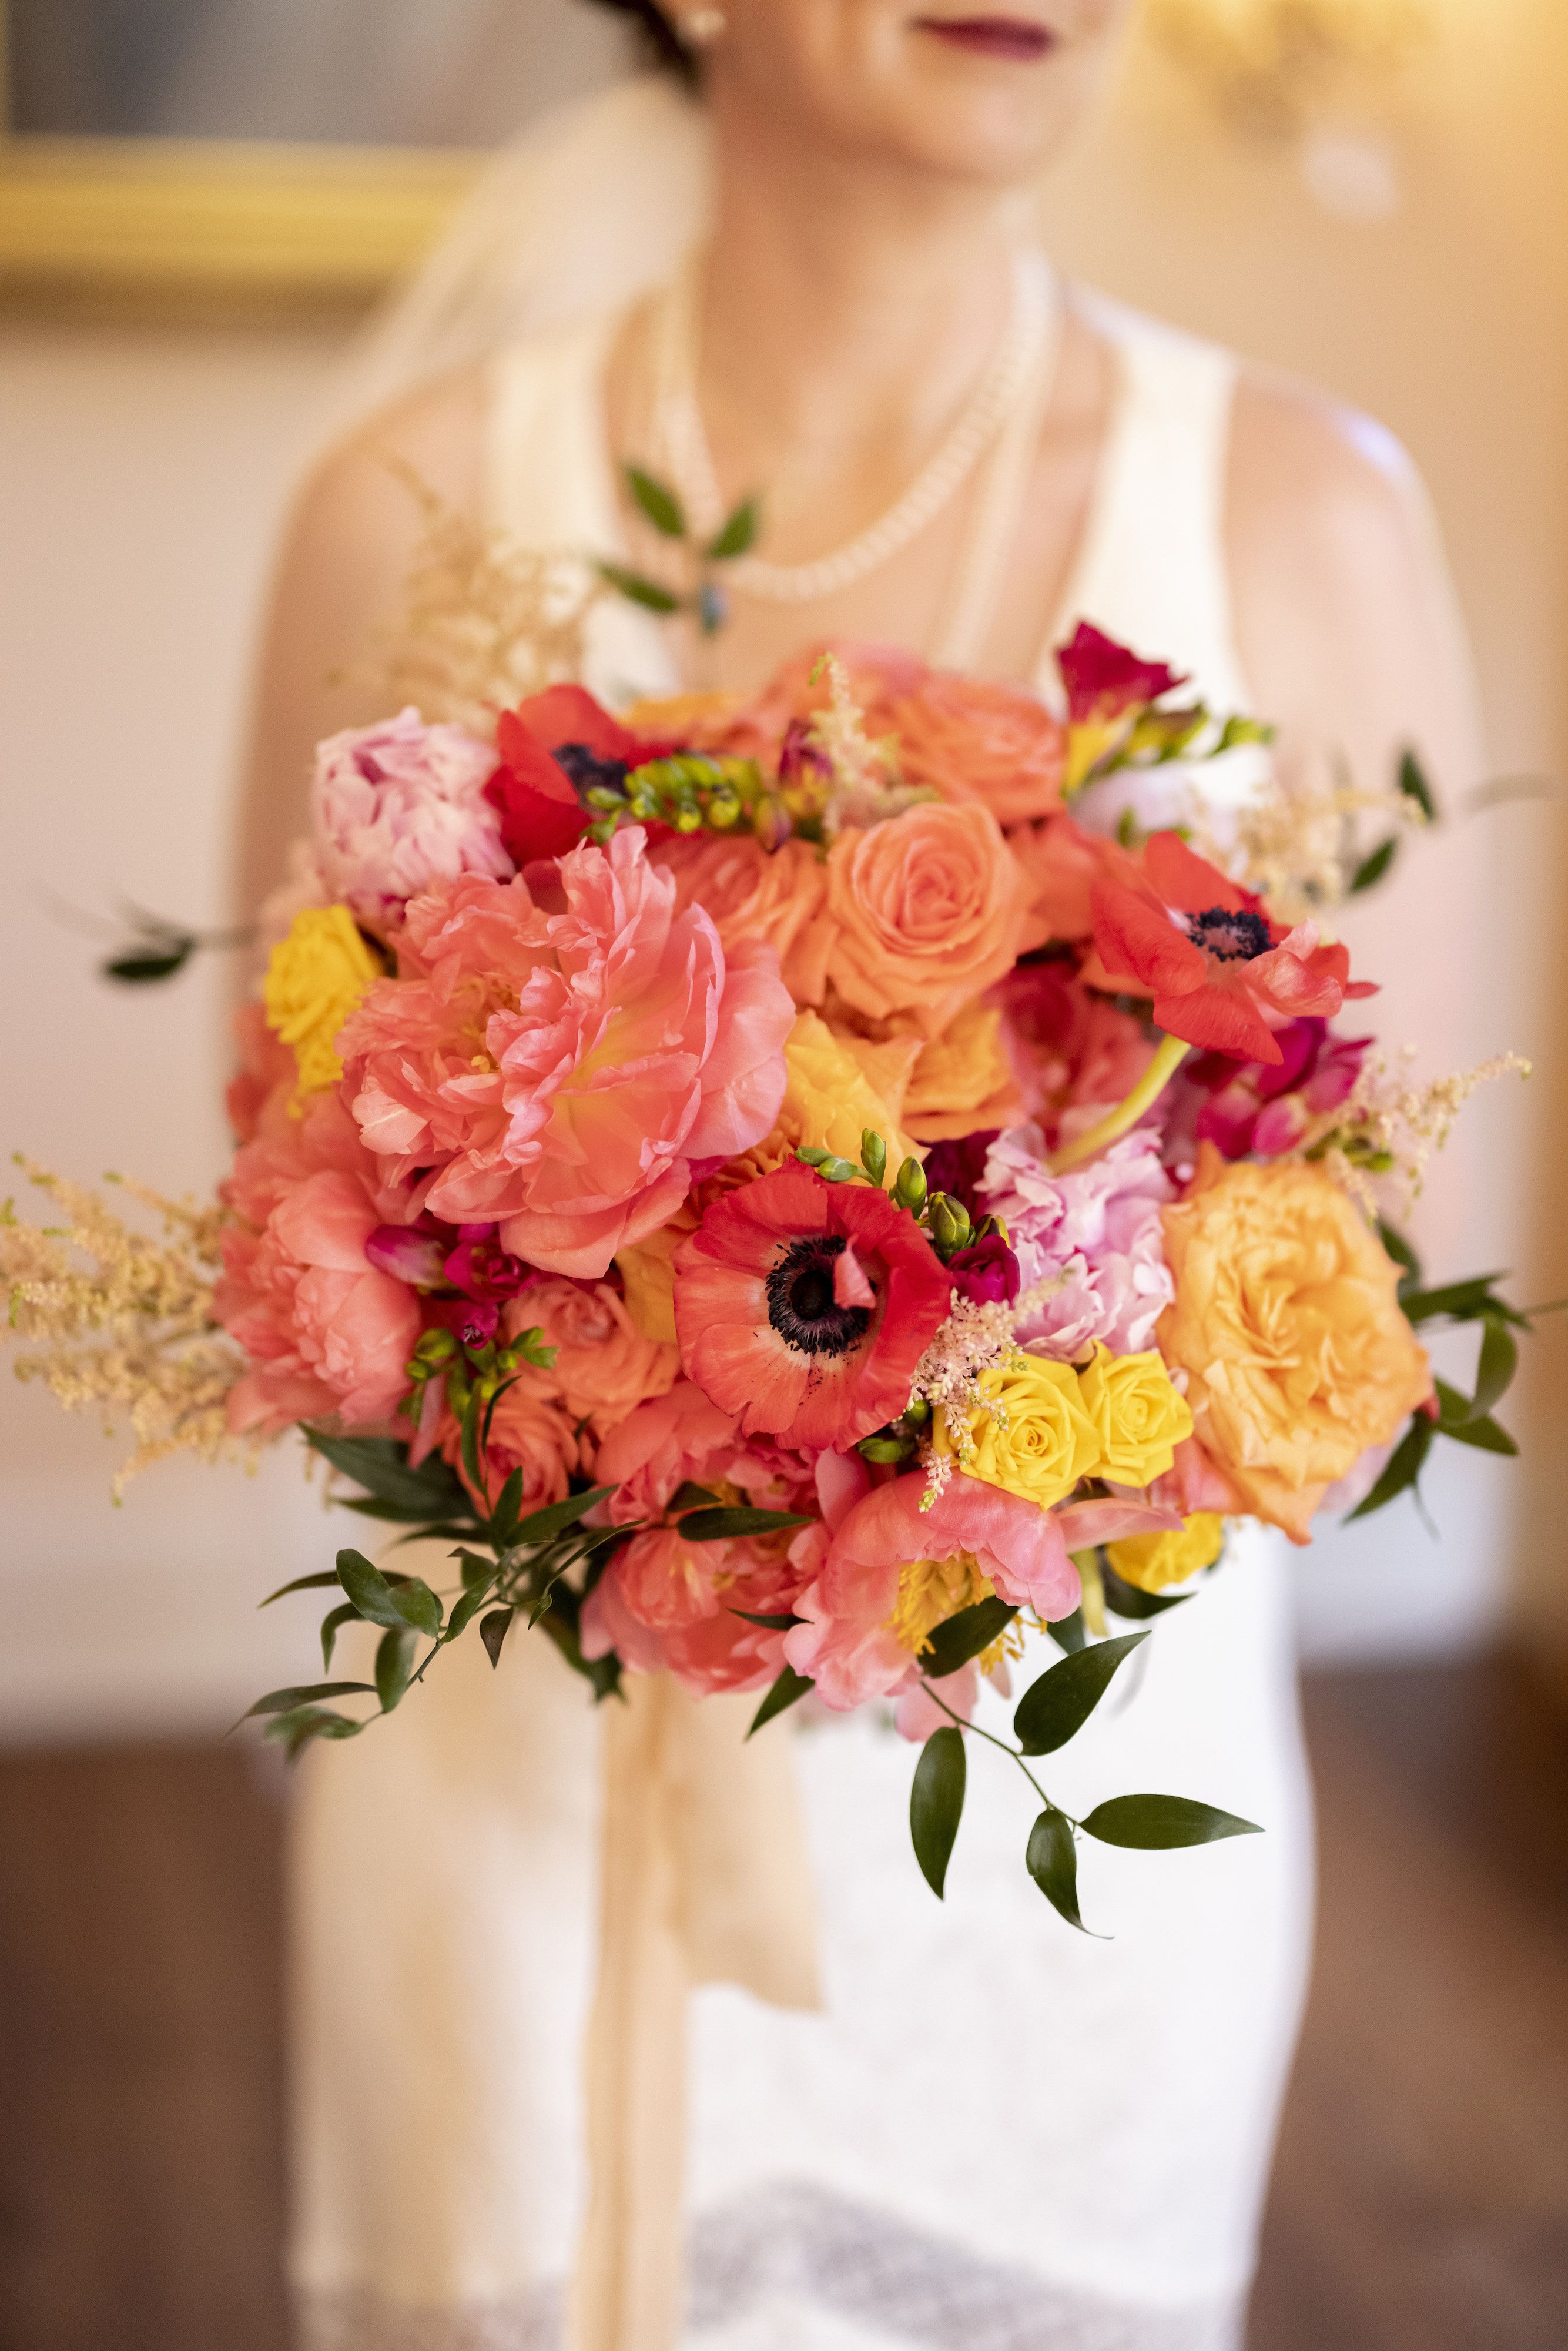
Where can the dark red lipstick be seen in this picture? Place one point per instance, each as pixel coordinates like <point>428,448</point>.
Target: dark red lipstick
<point>1014,38</point>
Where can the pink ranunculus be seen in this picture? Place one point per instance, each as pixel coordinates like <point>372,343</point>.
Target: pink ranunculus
<point>326,1332</point>
<point>400,806</point>
<point>1094,1235</point>
<point>562,1074</point>
<point>844,1645</point>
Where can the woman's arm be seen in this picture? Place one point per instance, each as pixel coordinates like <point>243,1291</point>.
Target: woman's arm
<point>345,552</point>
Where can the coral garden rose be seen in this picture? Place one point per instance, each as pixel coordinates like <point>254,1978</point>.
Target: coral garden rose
<point>751,893</point>
<point>1031,1434</point>
<point>972,1539</point>
<point>804,1307</point>
<point>315,977</point>
<point>1140,1416</point>
<point>1091,1239</point>
<point>1286,1322</point>
<point>326,1332</point>
<point>928,907</point>
<point>972,741</point>
<point>532,1430</point>
<point>567,1076</point>
<point>398,806</point>
<point>604,1367</point>
<point>1221,975</point>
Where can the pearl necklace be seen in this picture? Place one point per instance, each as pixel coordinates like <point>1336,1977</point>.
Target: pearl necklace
<point>1005,408</point>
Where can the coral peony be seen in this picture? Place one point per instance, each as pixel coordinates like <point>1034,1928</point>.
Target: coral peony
<point>803,1307</point>
<point>1206,951</point>
<point>560,1075</point>
<point>398,806</point>
<point>1091,1238</point>
<point>327,1332</point>
<point>981,1536</point>
<point>929,907</point>
<point>973,741</point>
<point>1286,1324</point>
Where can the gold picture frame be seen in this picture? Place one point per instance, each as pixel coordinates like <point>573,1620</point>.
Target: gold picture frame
<point>221,228</point>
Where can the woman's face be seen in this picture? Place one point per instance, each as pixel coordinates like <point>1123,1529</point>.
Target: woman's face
<point>984,90</point>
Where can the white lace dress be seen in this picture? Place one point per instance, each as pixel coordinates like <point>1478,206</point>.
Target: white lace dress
<point>997,2135</point>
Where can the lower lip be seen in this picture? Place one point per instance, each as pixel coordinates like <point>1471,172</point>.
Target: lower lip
<point>991,37</point>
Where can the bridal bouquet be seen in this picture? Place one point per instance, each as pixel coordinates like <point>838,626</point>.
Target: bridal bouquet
<point>784,1204</point>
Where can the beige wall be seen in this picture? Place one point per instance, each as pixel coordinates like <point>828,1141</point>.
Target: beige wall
<point>140,473</point>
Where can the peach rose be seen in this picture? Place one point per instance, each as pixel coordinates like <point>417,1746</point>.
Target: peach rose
<point>1286,1322</point>
<point>963,1080</point>
<point>604,1367</point>
<point>1061,863</point>
<point>991,744</point>
<point>929,909</point>
<point>532,1431</point>
<point>754,894</point>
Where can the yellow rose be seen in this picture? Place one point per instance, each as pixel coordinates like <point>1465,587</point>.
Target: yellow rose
<point>835,1088</point>
<point>315,978</point>
<point>1140,1416</point>
<point>1151,1562</point>
<point>963,1080</point>
<point>1030,1435</point>
<point>1286,1321</point>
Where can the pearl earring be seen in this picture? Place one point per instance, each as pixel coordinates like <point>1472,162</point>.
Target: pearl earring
<point>701,27</point>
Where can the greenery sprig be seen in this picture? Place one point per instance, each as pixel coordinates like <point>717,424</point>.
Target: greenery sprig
<point>708,602</point>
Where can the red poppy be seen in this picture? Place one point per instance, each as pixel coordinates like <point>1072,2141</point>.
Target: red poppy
<point>565,714</point>
<point>1206,951</point>
<point>804,1307</point>
<point>550,746</point>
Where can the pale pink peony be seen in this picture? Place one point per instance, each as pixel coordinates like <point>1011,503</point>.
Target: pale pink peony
<point>398,807</point>
<point>327,1332</point>
<point>844,1645</point>
<point>1094,1235</point>
<point>564,1074</point>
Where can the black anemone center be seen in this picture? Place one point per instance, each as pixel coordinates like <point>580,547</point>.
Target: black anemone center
<point>1235,937</point>
<point>585,769</point>
<point>800,1302</point>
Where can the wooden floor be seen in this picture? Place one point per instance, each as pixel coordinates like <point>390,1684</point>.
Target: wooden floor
<point>1421,2199</point>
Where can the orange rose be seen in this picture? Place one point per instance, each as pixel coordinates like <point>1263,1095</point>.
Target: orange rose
<point>753,893</point>
<point>1297,1355</point>
<point>532,1431</point>
<point>970,741</point>
<point>1061,863</point>
<point>928,914</point>
<point>962,1079</point>
<point>604,1367</point>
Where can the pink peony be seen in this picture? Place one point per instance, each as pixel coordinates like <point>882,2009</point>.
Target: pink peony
<point>845,1645</point>
<point>563,1075</point>
<point>400,806</point>
<point>1094,1235</point>
<point>326,1332</point>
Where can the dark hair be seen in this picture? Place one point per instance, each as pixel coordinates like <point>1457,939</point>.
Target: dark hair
<point>658,37</point>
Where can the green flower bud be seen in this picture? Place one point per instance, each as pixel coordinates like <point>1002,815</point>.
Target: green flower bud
<point>917,1414</point>
<point>909,1191</point>
<point>812,1157</point>
<point>838,1171</point>
<point>435,1347</point>
<point>873,1156</point>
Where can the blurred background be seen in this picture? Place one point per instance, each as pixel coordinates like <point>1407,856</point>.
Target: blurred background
<point>1372,194</point>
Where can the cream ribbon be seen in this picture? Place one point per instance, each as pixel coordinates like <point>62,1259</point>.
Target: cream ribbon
<point>705,1878</point>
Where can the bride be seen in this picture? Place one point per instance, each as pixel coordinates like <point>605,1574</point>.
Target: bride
<point>966,2126</point>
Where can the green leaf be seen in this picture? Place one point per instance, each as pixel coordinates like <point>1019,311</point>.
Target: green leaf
<point>1403,1255</point>
<point>300,1584</point>
<point>1414,784</point>
<point>417,1605</point>
<point>1404,1467</point>
<point>738,535</point>
<point>788,1686</point>
<point>1462,1301</point>
<point>394,1663</point>
<point>1372,869</point>
<point>951,1644</point>
<point>1160,1823</point>
<point>469,1446</point>
<point>380,1464</point>
<point>145,964</point>
<point>770,1623</point>
<point>490,1413</point>
<point>369,1590</point>
<point>1056,1706</point>
<point>661,505</point>
<point>1488,1435</point>
<point>1125,1599</point>
<point>727,1525</point>
<point>1495,1370</point>
<point>297,1729</point>
<point>689,1495</point>
<point>331,1626</point>
<point>283,1702</point>
<point>1052,1860</point>
<point>464,1610</point>
<point>493,1631</point>
<point>936,1803</point>
<point>1068,1632</point>
<point>647,592</point>
<point>503,1517</point>
<point>542,1525</point>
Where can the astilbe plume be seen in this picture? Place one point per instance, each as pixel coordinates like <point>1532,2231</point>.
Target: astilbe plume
<point>130,1332</point>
